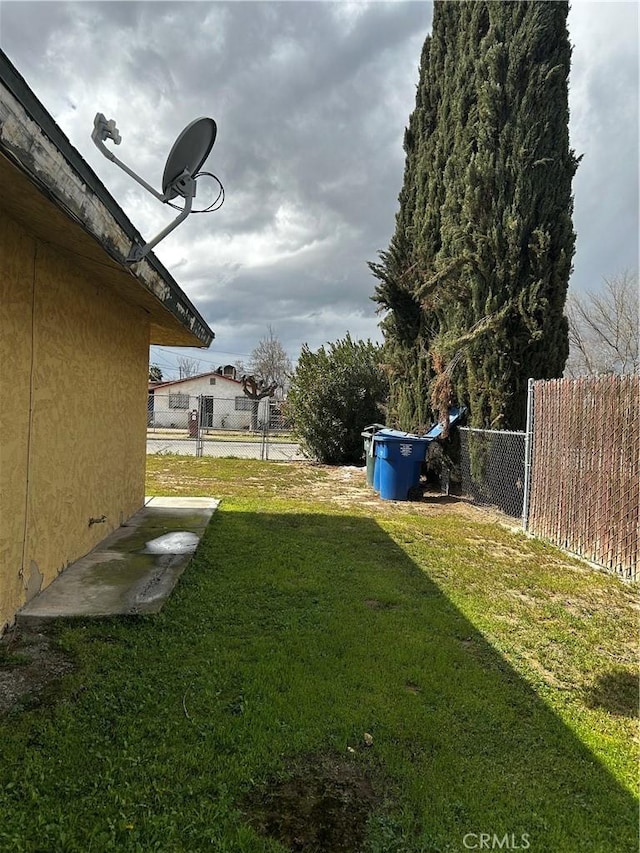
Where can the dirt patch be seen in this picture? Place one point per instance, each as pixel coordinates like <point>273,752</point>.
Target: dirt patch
<point>30,665</point>
<point>525,598</point>
<point>322,806</point>
<point>498,549</point>
<point>568,683</point>
<point>374,604</point>
<point>347,486</point>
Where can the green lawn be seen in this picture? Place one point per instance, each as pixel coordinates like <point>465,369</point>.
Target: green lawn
<point>494,679</point>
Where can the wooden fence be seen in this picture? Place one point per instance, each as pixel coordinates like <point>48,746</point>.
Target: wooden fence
<point>585,468</point>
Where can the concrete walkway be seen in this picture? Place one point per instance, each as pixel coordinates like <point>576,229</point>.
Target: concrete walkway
<point>133,570</point>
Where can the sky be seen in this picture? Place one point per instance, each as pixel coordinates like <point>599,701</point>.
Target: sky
<point>311,100</point>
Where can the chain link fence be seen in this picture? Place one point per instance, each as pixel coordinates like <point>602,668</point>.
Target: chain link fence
<point>492,468</point>
<point>189,425</point>
<point>585,468</point>
<point>574,475</point>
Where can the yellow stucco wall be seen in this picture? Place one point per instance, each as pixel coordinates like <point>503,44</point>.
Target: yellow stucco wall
<point>72,413</point>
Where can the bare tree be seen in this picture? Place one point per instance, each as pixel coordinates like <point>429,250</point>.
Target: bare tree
<point>604,328</point>
<point>270,363</point>
<point>256,390</point>
<point>187,367</point>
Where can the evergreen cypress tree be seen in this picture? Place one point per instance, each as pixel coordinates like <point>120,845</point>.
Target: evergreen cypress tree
<point>405,330</point>
<point>475,277</point>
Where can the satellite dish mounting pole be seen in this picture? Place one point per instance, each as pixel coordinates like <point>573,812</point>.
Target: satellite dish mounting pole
<point>137,253</point>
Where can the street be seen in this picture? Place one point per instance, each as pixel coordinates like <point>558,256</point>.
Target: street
<point>272,449</point>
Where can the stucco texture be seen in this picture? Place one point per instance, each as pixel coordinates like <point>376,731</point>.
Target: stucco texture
<point>73,414</point>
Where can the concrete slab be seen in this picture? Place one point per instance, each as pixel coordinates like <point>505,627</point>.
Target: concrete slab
<point>181,503</point>
<point>133,570</point>
<point>158,512</point>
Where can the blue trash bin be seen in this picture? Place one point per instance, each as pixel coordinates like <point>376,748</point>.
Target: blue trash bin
<point>399,458</point>
<point>369,450</point>
<point>376,468</point>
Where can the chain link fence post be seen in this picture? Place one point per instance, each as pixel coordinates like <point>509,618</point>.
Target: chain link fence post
<point>264,444</point>
<point>528,448</point>
<point>199,439</point>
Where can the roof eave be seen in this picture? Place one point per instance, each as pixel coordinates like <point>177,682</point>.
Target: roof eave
<point>31,139</point>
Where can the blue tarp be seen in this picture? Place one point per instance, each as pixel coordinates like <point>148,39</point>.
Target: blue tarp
<point>435,432</point>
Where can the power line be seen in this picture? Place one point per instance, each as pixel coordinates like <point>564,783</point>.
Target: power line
<point>205,360</point>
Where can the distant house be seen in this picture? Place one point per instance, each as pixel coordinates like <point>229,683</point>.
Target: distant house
<point>75,328</point>
<point>217,398</point>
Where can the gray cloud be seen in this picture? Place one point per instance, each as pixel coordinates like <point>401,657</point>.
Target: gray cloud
<point>311,101</point>
<point>604,129</point>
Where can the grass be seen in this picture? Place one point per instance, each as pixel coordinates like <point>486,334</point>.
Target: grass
<point>495,677</point>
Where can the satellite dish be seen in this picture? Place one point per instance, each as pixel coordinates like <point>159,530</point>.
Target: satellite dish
<point>188,154</point>
<point>182,169</point>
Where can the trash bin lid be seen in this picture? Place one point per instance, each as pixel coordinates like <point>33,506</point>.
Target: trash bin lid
<point>368,431</point>
<point>398,435</point>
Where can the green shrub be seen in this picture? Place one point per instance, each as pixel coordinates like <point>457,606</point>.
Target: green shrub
<point>334,393</point>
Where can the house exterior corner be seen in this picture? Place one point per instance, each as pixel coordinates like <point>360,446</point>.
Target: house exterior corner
<point>75,330</point>
<point>73,415</point>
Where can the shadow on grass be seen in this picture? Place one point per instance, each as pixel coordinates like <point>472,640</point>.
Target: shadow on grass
<point>306,683</point>
<point>374,645</point>
<point>617,692</point>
